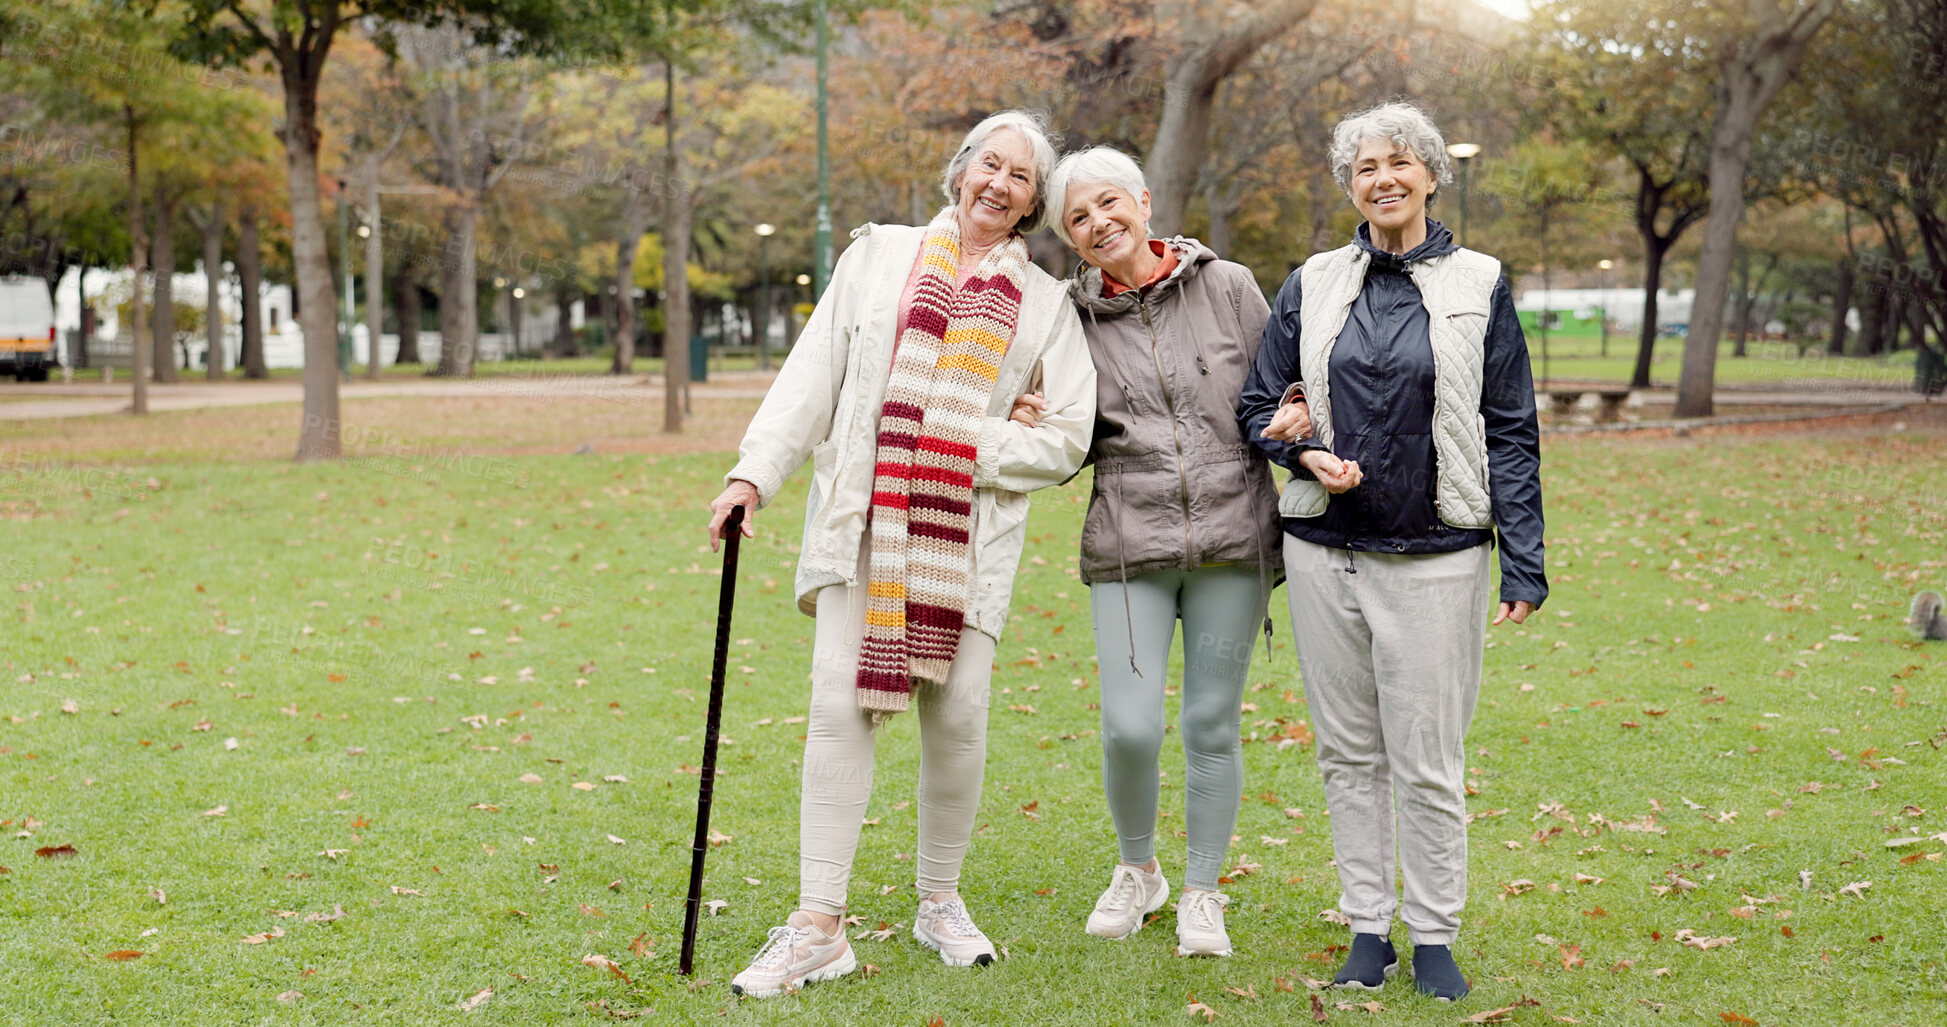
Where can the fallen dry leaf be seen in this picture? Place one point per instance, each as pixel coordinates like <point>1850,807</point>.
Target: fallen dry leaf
<point>716,906</point>
<point>468,1005</point>
<point>617,841</point>
<point>259,939</point>
<point>161,897</point>
<point>530,778</point>
<point>217,812</point>
<point>289,996</point>
<point>337,913</point>
<point>1318,1010</point>
<point>600,962</point>
<point>1196,1009</point>
<point>583,786</point>
<point>1501,1015</point>
<point>123,955</point>
<point>1737,1018</point>
<point>57,852</point>
<point>1857,889</point>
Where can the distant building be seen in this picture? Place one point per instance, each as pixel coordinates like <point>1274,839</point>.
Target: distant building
<point>1624,307</point>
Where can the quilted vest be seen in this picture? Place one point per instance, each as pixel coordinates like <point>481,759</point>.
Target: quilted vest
<point>1456,289</point>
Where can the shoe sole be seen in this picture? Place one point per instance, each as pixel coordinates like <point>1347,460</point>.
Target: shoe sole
<point>837,968</point>
<point>1161,898</point>
<point>984,959</point>
<point>1181,951</point>
<point>1386,975</point>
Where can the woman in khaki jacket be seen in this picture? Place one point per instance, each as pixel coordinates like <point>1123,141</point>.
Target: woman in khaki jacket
<point>1182,523</point>
<point>913,393</point>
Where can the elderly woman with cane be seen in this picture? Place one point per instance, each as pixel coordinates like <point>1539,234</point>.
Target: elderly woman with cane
<point>1182,524</point>
<point>1423,453</point>
<point>916,392</point>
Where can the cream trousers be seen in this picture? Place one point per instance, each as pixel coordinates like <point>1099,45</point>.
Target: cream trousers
<point>839,740</point>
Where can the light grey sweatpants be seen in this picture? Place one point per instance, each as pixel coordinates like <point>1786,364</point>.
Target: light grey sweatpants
<point>1390,647</point>
<point>839,739</point>
<point>1221,608</point>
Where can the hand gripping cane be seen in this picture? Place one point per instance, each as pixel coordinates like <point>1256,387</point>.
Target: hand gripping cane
<point>726,599</point>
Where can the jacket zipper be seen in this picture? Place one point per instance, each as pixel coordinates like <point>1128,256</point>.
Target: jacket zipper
<point>1169,404</point>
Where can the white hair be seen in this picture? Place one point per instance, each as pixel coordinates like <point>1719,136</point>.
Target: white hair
<point>1400,123</point>
<point>1103,165</point>
<point>1033,126</point>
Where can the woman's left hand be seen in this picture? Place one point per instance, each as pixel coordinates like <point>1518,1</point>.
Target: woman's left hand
<point>1517,612</point>
<point>1028,408</point>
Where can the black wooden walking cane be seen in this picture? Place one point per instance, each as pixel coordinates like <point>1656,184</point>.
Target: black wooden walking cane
<point>726,598</point>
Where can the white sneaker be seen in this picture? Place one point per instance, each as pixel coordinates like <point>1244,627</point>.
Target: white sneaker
<point>795,955</point>
<point>1200,924</point>
<point>946,928</point>
<point>1133,894</point>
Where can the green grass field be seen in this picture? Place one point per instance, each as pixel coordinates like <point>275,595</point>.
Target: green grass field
<point>1576,355</point>
<point>356,743</point>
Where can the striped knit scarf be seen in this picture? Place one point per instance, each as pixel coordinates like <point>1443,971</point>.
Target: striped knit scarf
<point>922,491</point>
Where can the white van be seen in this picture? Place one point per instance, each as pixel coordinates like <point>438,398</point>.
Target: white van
<point>27,346</point>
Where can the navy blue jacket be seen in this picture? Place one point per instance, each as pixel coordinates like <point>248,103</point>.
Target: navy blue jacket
<point>1382,416</point>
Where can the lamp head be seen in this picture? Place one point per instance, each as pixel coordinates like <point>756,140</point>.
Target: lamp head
<point>1463,151</point>
<point>766,229</point>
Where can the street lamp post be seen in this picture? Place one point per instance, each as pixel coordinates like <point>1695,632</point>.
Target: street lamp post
<point>804,282</point>
<point>345,263</point>
<point>1605,264</point>
<point>1463,152</point>
<point>821,244</point>
<point>764,233</point>
<point>514,317</point>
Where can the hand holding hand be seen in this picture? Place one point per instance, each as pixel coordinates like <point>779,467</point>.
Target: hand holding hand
<point>1336,475</point>
<point>1517,612</point>
<point>738,493</point>
<point>1291,423</point>
<point>1028,408</point>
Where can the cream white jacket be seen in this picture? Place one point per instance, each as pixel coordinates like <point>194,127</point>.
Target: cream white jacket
<point>825,406</point>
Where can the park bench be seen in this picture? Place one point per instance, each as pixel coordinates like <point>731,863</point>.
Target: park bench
<point>1565,399</point>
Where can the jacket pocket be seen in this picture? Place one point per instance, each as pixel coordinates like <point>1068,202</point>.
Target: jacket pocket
<point>1303,498</point>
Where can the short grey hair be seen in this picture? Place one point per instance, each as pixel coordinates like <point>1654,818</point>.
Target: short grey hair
<point>1105,165</point>
<point>1405,125</point>
<point>1033,126</point>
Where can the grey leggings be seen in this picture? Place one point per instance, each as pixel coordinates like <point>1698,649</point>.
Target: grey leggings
<point>1221,608</point>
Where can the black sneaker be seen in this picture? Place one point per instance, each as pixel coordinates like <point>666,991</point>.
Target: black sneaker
<point>1371,962</point>
<point>1436,974</point>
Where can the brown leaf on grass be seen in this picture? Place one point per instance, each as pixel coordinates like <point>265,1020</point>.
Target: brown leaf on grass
<point>1028,810</point>
<point>217,812</point>
<point>718,839</point>
<point>259,939</point>
<point>468,1005</point>
<point>124,955</point>
<point>1501,1015</point>
<point>1737,1018</point>
<point>1517,887</point>
<point>1197,1009</point>
<point>1701,942</point>
<point>601,962</point>
<point>530,778</point>
<point>1318,1010</point>
<point>938,1021</point>
<point>396,890</point>
<point>161,897</point>
<point>1856,889</point>
<point>715,906</point>
<point>287,997</point>
<point>639,945</point>
<point>1375,1006</point>
<point>1244,992</point>
<point>1571,956</point>
<point>588,910</point>
<point>57,852</point>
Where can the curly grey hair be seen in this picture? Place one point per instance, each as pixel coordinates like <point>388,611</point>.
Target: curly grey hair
<point>1405,125</point>
<point>1033,126</point>
<point>1097,165</point>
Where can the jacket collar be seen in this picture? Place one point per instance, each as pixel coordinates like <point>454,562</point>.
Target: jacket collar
<point>1438,243</point>
<point>1086,287</point>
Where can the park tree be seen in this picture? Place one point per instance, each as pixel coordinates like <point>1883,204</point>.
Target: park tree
<point>295,38</point>
<point>1755,47</point>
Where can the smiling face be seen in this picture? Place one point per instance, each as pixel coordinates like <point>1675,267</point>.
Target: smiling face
<point>998,188</point>
<point>1106,225</point>
<point>1390,186</point>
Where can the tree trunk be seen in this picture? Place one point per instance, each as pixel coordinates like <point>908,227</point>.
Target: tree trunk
<point>213,277</point>
<point>374,274</point>
<point>676,220</point>
<point>1209,51</point>
<point>459,293</point>
<point>1872,320</point>
<point>1742,317</point>
<point>319,434</point>
<point>1753,69</point>
<point>164,261</point>
<point>138,263</point>
<point>1841,304</point>
<point>1653,250</point>
<point>250,282</point>
<point>564,324</point>
<point>406,309</point>
<point>635,215</point>
<point>78,355</point>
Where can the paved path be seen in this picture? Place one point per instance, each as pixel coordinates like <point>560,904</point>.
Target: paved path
<point>22,402</point>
